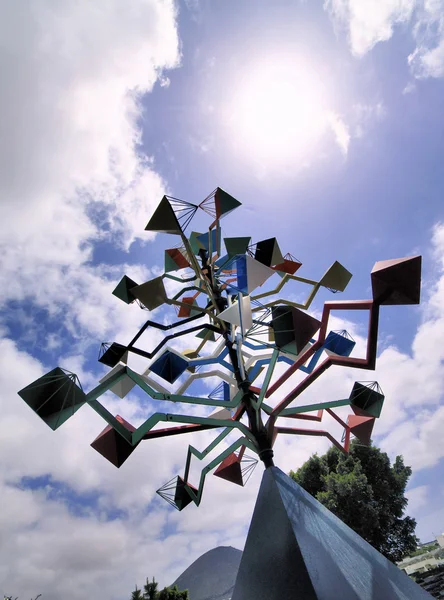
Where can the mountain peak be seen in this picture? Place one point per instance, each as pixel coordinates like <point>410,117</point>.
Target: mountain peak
<point>212,575</point>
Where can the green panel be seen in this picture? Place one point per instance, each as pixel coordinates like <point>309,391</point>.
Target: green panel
<point>283,328</point>
<point>151,293</point>
<point>290,348</point>
<point>55,397</point>
<point>236,245</point>
<point>206,335</point>
<point>170,265</point>
<point>366,400</point>
<point>224,202</point>
<point>296,410</point>
<point>123,289</point>
<point>194,242</point>
<point>336,277</point>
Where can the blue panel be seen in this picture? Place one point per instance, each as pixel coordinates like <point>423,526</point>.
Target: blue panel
<point>339,344</point>
<point>204,239</point>
<point>220,262</point>
<point>169,366</point>
<point>241,268</point>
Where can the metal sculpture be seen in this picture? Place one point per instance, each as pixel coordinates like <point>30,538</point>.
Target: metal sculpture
<point>251,333</point>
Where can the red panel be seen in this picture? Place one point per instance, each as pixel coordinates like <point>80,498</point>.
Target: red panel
<point>178,258</point>
<point>288,266</point>
<point>230,469</point>
<point>185,311</point>
<point>361,427</point>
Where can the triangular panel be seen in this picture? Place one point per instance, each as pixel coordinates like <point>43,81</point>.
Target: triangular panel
<point>220,413</point>
<point>236,245</point>
<point>151,294</point>
<point>305,326</point>
<point>112,445</point>
<point>336,278</point>
<point>123,289</point>
<point>233,316</point>
<point>164,220</point>
<point>366,399</point>
<point>54,397</point>
<point>123,386</point>
<point>257,273</point>
<point>268,252</point>
<point>397,281</point>
<point>224,203</point>
<point>230,469</point>
<point>361,427</point>
<point>169,366</point>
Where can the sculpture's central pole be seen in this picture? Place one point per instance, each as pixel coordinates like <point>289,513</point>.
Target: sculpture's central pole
<point>255,422</point>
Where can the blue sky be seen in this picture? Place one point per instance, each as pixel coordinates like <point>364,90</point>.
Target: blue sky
<point>324,120</point>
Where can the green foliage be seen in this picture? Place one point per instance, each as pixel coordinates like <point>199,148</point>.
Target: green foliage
<point>150,589</point>
<point>425,549</point>
<point>365,492</point>
<point>137,594</point>
<point>172,593</point>
<point>150,592</point>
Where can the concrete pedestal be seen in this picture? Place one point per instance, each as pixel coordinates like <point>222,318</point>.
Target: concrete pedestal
<point>297,549</point>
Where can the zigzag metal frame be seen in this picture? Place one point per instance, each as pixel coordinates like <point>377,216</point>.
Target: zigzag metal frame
<point>240,356</point>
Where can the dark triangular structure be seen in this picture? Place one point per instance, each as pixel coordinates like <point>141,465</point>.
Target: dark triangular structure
<point>293,328</point>
<point>236,245</point>
<point>151,294</point>
<point>397,281</point>
<point>55,396</point>
<point>111,354</point>
<point>366,398</point>
<point>268,252</point>
<point>164,219</point>
<point>169,366</point>
<point>123,289</point>
<point>298,550</point>
<point>219,203</point>
<point>176,493</point>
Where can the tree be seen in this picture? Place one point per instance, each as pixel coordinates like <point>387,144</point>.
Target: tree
<point>365,492</point>
<point>150,589</point>
<point>172,593</point>
<point>137,594</point>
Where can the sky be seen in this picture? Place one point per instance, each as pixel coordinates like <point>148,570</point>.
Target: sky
<point>325,120</point>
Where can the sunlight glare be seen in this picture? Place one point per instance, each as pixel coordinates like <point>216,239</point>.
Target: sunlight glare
<point>279,114</point>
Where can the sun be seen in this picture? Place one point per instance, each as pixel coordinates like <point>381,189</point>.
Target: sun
<point>278,113</point>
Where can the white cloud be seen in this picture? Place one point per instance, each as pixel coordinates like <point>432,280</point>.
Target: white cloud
<point>46,547</point>
<point>341,132</point>
<point>73,76</point>
<point>38,527</point>
<point>71,142</point>
<point>409,88</point>
<point>427,60</point>
<point>417,498</point>
<point>70,106</point>
<point>364,116</point>
<point>369,22</point>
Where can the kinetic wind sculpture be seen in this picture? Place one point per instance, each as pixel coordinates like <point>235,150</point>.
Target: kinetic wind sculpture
<point>253,331</point>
